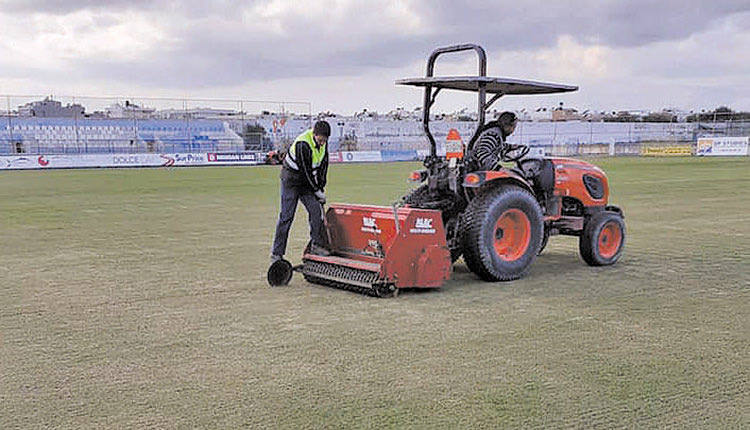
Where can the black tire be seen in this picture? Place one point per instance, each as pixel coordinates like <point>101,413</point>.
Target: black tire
<point>279,273</point>
<point>449,206</point>
<point>603,239</point>
<point>386,291</point>
<point>501,234</point>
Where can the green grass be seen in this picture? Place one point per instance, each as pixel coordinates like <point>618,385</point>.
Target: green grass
<point>137,299</point>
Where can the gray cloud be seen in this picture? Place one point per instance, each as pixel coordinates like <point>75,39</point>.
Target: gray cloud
<point>536,23</point>
<point>221,43</point>
<point>213,46</point>
<point>63,7</point>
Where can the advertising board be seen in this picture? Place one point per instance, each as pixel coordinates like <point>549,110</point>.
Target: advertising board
<point>73,161</point>
<point>666,151</point>
<point>723,146</point>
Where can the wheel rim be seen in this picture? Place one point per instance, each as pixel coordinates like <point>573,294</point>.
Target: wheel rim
<point>512,235</point>
<point>610,239</point>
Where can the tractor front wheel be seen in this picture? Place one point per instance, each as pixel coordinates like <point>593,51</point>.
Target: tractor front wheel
<point>603,239</point>
<point>502,232</point>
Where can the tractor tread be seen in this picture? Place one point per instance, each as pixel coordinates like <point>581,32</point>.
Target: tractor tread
<point>477,257</point>
<point>587,244</point>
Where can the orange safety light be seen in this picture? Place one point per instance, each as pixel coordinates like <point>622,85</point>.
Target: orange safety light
<point>454,146</point>
<point>417,176</point>
<point>472,180</point>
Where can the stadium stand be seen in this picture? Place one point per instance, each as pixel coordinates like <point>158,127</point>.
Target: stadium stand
<point>66,135</point>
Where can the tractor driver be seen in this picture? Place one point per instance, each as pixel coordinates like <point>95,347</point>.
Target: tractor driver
<point>303,177</point>
<point>492,141</point>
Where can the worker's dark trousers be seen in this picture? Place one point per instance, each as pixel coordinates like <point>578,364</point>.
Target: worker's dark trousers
<point>289,197</point>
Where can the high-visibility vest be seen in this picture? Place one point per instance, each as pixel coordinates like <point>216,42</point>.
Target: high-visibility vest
<point>317,153</point>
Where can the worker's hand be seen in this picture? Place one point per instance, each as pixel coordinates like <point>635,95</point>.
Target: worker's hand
<point>321,196</point>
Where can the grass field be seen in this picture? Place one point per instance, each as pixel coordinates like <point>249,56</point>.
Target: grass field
<point>137,299</point>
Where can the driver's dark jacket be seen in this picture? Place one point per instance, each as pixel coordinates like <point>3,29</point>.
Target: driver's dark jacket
<point>489,146</point>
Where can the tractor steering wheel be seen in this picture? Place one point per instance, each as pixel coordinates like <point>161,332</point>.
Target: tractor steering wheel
<point>520,152</point>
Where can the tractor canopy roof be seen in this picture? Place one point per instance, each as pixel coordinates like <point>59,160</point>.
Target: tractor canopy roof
<point>481,84</point>
<point>501,86</point>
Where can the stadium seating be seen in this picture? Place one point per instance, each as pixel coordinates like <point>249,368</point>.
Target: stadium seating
<point>68,135</point>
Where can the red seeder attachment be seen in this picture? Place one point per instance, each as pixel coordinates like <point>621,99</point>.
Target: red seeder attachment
<point>378,250</point>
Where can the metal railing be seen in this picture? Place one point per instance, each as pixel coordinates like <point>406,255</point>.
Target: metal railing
<point>625,137</point>
<point>75,124</point>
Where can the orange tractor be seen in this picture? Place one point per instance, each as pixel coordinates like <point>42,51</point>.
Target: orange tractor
<point>499,220</point>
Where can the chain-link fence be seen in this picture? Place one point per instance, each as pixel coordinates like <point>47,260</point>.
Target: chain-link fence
<point>60,125</point>
<point>69,124</point>
<point>563,138</point>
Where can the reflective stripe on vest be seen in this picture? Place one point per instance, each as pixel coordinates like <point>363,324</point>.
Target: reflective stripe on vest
<point>317,154</point>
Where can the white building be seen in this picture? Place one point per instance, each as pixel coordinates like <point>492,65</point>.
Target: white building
<point>49,108</point>
<point>129,110</point>
<point>199,112</point>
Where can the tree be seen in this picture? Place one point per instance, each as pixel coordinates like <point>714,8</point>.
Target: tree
<point>660,117</point>
<point>721,113</point>
<point>622,116</point>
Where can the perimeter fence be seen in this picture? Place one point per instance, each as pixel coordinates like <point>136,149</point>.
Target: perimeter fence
<point>556,138</point>
<point>90,125</point>
<point>133,125</point>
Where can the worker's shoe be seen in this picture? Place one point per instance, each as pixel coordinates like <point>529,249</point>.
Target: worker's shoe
<point>319,250</point>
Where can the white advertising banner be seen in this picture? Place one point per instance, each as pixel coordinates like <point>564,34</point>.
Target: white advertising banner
<point>235,158</point>
<point>361,157</point>
<point>72,161</point>
<point>724,146</point>
<point>69,161</point>
<point>23,162</point>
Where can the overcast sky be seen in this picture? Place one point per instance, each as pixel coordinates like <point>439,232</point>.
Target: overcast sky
<point>344,55</point>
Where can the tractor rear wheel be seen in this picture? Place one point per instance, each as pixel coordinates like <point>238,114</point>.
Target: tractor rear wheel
<point>603,239</point>
<point>501,234</point>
